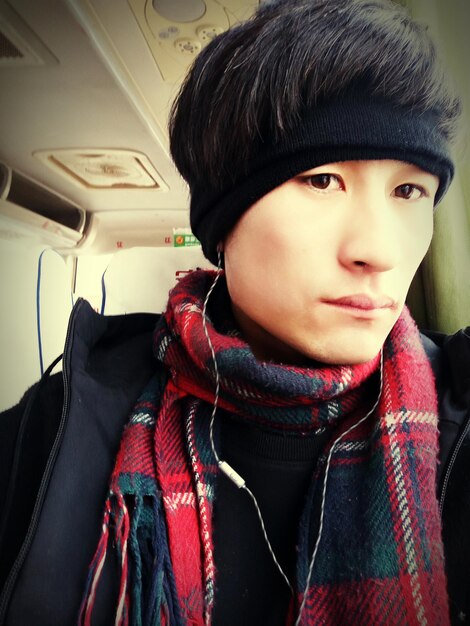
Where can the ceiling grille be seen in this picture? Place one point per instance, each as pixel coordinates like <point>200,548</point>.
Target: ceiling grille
<point>8,50</point>
<point>19,44</point>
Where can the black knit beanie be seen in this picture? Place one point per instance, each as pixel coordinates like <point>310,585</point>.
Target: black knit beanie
<point>354,126</point>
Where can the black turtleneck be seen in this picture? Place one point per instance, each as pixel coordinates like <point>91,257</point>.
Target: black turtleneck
<point>278,469</point>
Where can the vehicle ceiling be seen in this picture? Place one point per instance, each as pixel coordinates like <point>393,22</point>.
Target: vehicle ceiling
<point>96,87</point>
<point>93,84</point>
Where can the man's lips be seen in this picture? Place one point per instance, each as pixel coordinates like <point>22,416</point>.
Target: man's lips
<point>363,302</point>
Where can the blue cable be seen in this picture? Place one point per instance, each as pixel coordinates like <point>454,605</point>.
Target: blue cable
<point>38,311</point>
<point>103,292</point>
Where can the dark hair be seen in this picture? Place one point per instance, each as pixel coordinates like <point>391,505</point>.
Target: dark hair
<point>251,82</point>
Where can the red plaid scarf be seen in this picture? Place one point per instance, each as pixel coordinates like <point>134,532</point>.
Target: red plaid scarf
<point>380,557</point>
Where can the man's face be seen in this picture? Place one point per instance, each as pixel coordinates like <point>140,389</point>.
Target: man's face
<point>319,268</point>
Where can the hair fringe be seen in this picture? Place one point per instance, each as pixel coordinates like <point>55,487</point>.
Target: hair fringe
<point>253,80</point>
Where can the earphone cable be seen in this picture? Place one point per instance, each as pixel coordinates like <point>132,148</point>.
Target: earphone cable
<point>214,360</point>
<point>223,465</point>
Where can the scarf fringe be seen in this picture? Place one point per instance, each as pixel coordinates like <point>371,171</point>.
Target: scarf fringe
<point>135,550</point>
<point>161,606</point>
<point>95,570</point>
<point>164,599</point>
<point>204,512</point>
<point>97,564</point>
<point>122,536</point>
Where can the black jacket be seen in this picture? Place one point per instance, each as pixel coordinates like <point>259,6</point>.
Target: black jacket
<point>58,445</point>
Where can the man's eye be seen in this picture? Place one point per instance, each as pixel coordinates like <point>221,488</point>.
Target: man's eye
<point>323,181</point>
<point>409,192</point>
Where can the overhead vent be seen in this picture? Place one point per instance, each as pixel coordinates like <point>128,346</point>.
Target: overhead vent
<point>19,45</point>
<point>8,50</point>
<point>104,168</point>
<point>177,30</point>
<point>30,209</point>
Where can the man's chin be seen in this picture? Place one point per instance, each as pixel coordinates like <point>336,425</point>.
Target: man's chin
<point>348,352</point>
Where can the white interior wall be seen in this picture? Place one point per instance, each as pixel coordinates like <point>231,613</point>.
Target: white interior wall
<point>19,354</point>
<point>136,279</point>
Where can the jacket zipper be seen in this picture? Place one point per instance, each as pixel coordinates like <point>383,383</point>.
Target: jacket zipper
<point>451,465</point>
<point>19,561</point>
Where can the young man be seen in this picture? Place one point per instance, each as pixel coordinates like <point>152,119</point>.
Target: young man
<point>282,464</point>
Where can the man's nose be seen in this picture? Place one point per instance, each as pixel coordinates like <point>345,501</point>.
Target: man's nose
<point>372,237</point>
